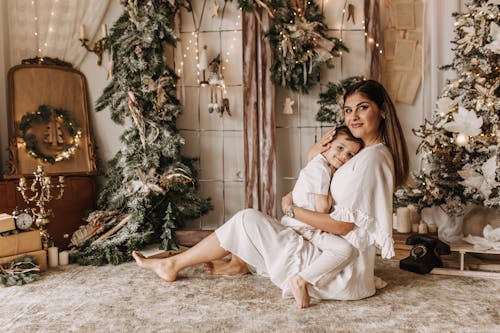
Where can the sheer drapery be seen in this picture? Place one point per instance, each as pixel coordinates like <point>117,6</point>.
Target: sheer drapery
<point>39,28</point>
<point>259,118</point>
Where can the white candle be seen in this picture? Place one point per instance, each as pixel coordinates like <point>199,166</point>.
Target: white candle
<point>414,216</point>
<point>82,31</point>
<point>414,227</point>
<point>53,256</point>
<point>63,258</point>
<point>422,228</point>
<point>432,227</point>
<point>105,30</point>
<point>404,223</point>
<point>394,221</point>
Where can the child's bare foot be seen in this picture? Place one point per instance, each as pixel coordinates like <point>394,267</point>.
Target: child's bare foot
<point>224,267</point>
<point>164,268</point>
<point>298,286</point>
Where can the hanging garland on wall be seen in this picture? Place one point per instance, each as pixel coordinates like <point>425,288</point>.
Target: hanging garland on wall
<point>43,115</point>
<point>332,100</point>
<point>298,40</point>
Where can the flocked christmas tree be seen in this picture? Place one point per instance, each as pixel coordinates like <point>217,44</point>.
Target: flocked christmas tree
<point>150,188</point>
<point>460,142</point>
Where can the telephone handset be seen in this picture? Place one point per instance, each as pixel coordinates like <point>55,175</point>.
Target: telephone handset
<point>424,255</point>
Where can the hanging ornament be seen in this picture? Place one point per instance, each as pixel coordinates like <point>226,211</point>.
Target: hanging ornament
<point>203,65</point>
<point>287,106</point>
<point>214,9</point>
<point>462,139</point>
<point>350,11</point>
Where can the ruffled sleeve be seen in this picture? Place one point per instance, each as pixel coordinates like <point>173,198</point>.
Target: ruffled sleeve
<point>366,232</point>
<point>363,195</point>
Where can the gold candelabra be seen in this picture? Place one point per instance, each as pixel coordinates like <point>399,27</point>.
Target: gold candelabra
<point>98,48</point>
<point>40,192</point>
<point>99,45</point>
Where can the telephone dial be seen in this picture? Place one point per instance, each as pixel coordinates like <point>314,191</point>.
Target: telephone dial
<point>425,254</point>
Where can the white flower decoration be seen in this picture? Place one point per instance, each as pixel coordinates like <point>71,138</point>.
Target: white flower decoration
<point>494,46</point>
<point>464,122</point>
<point>484,182</point>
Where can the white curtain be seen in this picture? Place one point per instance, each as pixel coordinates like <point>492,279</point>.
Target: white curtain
<point>39,28</point>
<point>437,50</point>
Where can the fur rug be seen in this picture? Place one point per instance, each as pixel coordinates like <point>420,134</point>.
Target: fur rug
<point>126,298</point>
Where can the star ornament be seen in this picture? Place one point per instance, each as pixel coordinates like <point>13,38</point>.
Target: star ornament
<point>214,9</point>
<point>465,122</point>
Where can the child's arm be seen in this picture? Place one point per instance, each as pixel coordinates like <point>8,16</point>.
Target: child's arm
<point>322,203</point>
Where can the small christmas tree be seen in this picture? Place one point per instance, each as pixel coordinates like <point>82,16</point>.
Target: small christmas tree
<point>148,181</point>
<point>460,143</point>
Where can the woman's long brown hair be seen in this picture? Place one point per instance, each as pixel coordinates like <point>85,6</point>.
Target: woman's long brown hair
<point>390,128</point>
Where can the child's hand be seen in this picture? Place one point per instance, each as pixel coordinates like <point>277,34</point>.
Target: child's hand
<point>322,145</point>
<point>286,202</point>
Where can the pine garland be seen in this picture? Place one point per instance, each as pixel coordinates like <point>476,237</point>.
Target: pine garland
<point>20,271</point>
<point>148,179</point>
<point>43,115</point>
<point>298,40</point>
<point>460,142</point>
<point>332,100</point>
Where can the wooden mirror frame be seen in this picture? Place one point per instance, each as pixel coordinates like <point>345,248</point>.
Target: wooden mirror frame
<point>52,82</point>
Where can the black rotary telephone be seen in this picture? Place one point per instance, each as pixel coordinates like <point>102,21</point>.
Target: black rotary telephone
<point>424,255</point>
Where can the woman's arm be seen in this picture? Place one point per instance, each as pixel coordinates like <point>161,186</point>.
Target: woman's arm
<point>321,145</point>
<point>320,221</point>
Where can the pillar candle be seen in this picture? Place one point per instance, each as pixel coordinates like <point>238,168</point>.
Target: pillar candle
<point>414,227</point>
<point>422,228</point>
<point>394,221</point>
<point>63,258</point>
<point>53,256</point>
<point>414,216</point>
<point>404,224</point>
<point>432,227</point>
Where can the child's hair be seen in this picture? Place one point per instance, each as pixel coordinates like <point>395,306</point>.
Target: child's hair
<point>345,130</point>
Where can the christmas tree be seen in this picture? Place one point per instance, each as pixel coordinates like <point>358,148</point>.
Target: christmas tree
<point>460,142</point>
<point>150,188</point>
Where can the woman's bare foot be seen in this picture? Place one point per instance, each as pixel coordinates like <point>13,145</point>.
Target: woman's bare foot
<point>298,286</point>
<point>164,268</point>
<point>225,267</point>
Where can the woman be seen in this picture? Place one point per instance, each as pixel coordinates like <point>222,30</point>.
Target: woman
<point>362,192</point>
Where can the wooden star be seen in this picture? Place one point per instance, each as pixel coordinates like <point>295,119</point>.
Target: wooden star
<point>215,9</point>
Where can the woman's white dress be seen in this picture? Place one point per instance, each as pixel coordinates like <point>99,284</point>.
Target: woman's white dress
<point>362,191</point>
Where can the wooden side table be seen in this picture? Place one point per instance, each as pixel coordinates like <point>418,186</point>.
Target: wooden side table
<point>79,196</point>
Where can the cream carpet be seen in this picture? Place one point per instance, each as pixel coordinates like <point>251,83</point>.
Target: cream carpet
<point>126,298</point>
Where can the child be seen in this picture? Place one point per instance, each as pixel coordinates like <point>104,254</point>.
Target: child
<point>312,191</point>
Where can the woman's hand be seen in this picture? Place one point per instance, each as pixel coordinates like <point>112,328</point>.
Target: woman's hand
<point>322,144</point>
<point>286,202</point>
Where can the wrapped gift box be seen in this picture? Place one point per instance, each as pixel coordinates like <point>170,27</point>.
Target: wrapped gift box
<point>23,242</point>
<point>40,255</point>
<point>6,222</point>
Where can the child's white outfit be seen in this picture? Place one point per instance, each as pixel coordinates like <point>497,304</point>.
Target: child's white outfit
<point>314,179</point>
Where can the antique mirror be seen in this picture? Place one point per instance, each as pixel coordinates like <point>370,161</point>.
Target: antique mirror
<point>49,123</point>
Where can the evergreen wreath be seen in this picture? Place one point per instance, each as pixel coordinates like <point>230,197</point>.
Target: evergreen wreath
<point>298,40</point>
<point>332,100</point>
<point>43,115</point>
